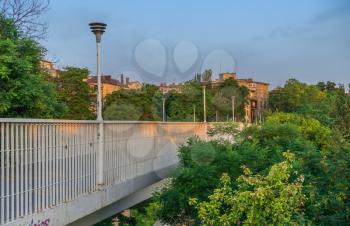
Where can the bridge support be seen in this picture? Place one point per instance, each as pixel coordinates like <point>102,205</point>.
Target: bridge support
<point>122,204</point>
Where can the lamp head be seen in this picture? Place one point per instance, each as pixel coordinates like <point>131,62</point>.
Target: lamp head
<point>98,29</point>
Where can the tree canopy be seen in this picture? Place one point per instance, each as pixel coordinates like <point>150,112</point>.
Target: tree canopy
<point>319,154</point>
<point>24,91</point>
<point>326,102</point>
<point>75,93</point>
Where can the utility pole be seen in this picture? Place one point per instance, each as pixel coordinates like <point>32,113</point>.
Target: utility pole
<point>194,113</point>
<point>204,105</point>
<point>233,108</point>
<point>98,29</point>
<point>163,108</point>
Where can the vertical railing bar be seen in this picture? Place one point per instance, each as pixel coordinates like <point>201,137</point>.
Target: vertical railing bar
<point>53,165</point>
<point>41,167</point>
<point>76,157</point>
<point>106,160</point>
<point>90,157</point>
<point>82,159</point>
<point>2,177</point>
<point>68,137</point>
<point>22,182</point>
<point>7,181</point>
<point>77,144</point>
<point>94,157</point>
<point>30,169</point>
<point>36,165</point>
<point>58,166</point>
<point>115,149</point>
<point>65,176</point>
<point>88,165</point>
<point>47,159</point>
<point>78,178</point>
<point>50,168</point>
<point>26,168</point>
<point>70,152</point>
<point>12,175</point>
<point>74,161</point>
<point>85,135</point>
<point>57,148</point>
<point>62,176</point>
<point>17,152</point>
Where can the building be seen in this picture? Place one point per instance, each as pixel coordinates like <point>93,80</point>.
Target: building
<point>132,85</point>
<point>258,98</point>
<point>109,85</point>
<point>49,67</point>
<point>258,94</point>
<point>223,77</point>
<point>165,88</point>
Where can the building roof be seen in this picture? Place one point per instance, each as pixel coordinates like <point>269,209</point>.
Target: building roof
<point>107,79</point>
<point>252,80</point>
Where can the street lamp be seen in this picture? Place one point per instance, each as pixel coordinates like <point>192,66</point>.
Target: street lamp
<point>98,29</point>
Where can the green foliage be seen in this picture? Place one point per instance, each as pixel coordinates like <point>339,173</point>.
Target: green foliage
<point>201,165</point>
<point>226,128</point>
<point>147,217</point>
<point>206,76</point>
<point>222,99</point>
<point>180,106</point>
<point>326,102</point>
<point>310,128</point>
<point>144,104</point>
<point>322,156</point>
<point>24,91</point>
<point>258,200</point>
<point>75,93</point>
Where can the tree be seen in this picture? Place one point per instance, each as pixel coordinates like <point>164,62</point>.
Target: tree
<point>325,102</point>
<point>143,104</point>
<point>75,92</point>
<point>180,105</point>
<point>222,99</point>
<point>321,155</point>
<point>25,15</point>
<point>24,91</point>
<point>259,200</point>
<point>206,76</point>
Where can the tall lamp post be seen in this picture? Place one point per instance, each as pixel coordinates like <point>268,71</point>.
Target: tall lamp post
<point>98,29</point>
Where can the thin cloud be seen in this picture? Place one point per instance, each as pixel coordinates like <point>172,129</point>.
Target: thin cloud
<point>340,11</point>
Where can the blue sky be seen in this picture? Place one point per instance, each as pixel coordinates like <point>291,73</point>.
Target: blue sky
<point>164,41</point>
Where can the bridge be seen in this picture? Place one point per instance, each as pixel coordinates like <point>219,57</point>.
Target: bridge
<point>60,172</point>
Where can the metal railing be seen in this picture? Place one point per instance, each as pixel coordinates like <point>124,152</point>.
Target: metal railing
<point>45,163</point>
